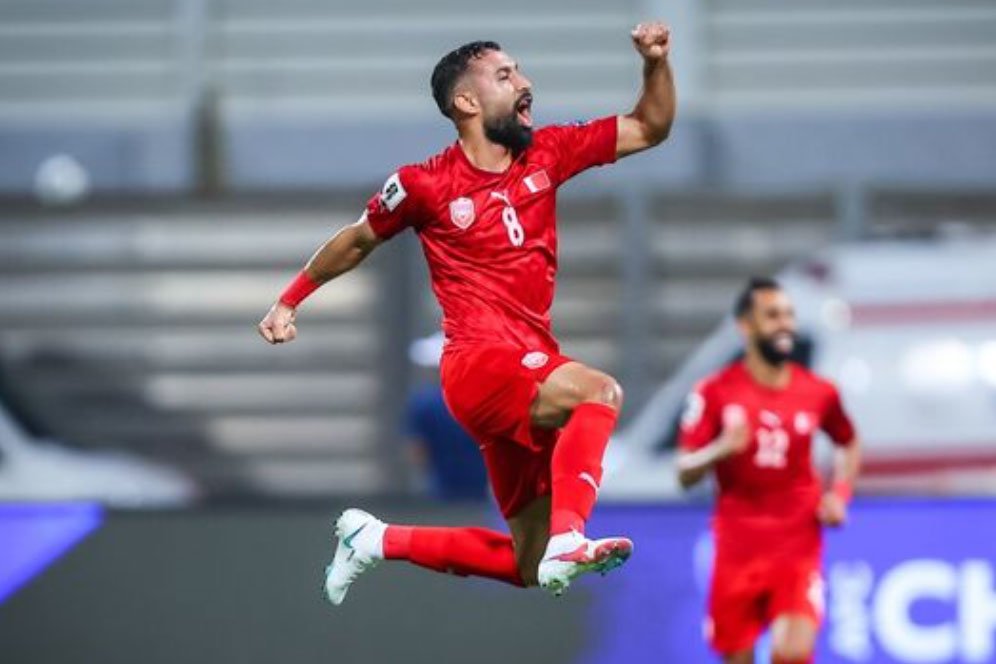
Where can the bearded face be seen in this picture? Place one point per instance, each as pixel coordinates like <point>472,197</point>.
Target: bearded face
<point>501,96</point>
<point>776,349</point>
<point>769,327</point>
<point>513,128</point>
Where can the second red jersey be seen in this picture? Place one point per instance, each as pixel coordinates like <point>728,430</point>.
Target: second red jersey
<point>490,239</point>
<point>769,493</point>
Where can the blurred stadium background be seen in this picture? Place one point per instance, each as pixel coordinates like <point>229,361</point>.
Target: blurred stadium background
<point>166,165</point>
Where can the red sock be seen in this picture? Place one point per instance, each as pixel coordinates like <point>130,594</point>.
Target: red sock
<point>775,659</point>
<point>577,465</point>
<point>460,551</point>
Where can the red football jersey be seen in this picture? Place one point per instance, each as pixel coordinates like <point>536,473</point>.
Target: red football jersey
<point>490,238</point>
<point>769,493</point>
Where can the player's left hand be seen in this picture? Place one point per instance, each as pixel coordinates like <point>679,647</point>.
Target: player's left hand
<point>652,40</point>
<point>832,510</point>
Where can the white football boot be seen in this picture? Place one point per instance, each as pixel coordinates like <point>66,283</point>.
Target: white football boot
<point>360,547</point>
<point>571,554</point>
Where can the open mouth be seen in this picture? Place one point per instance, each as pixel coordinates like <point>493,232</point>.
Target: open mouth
<point>784,341</point>
<point>523,110</point>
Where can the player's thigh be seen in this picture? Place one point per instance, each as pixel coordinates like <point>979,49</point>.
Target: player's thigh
<point>736,608</point>
<point>796,608</point>
<point>530,528</point>
<point>490,389</point>
<point>568,386</point>
<point>744,657</point>
<point>793,636</point>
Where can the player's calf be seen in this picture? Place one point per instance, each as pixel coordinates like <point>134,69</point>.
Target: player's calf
<point>530,529</point>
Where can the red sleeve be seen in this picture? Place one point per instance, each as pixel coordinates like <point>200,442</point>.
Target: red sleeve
<point>700,422</point>
<point>397,205</point>
<point>835,422</point>
<point>582,145</point>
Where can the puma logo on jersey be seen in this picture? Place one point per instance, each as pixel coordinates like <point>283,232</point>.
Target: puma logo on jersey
<point>770,419</point>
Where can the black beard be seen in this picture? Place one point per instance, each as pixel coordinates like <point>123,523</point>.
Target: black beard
<point>771,354</point>
<point>508,132</point>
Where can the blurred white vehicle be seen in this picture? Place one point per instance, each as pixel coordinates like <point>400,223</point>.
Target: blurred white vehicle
<point>33,471</point>
<point>907,330</point>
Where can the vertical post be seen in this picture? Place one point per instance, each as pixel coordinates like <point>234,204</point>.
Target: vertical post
<point>396,317</point>
<point>688,53</point>
<point>635,271</point>
<point>851,204</point>
<point>191,34</point>
<point>200,100</point>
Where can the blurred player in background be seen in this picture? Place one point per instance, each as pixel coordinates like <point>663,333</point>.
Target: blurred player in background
<point>445,457</point>
<point>485,211</point>
<point>752,424</point>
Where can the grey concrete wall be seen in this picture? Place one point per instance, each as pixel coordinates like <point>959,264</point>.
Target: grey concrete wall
<point>783,151</point>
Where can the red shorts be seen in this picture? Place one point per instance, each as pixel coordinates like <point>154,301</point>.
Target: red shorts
<point>489,389</point>
<point>747,595</point>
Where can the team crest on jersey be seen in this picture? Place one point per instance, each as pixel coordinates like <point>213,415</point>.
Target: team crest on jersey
<point>535,359</point>
<point>804,423</point>
<point>462,213</point>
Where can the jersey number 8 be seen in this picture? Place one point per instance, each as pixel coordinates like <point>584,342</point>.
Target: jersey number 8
<point>516,235</point>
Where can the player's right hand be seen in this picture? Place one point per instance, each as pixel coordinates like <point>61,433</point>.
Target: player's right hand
<point>652,40</point>
<point>736,430</point>
<point>277,326</point>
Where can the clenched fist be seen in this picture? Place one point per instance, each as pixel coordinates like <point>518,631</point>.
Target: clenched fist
<point>652,40</point>
<point>277,326</point>
<point>832,510</point>
<point>736,430</point>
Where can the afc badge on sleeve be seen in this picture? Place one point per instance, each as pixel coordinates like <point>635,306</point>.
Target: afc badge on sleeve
<point>393,193</point>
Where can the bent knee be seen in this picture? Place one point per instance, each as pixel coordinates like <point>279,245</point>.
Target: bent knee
<point>792,651</point>
<point>605,390</point>
<point>564,392</point>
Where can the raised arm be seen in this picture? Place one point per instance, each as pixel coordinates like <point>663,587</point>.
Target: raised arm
<point>344,251</point>
<point>649,123</point>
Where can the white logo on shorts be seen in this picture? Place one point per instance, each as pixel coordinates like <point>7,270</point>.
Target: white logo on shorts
<point>535,359</point>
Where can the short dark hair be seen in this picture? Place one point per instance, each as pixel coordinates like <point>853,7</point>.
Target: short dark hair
<point>745,300</point>
<point>451,67</point>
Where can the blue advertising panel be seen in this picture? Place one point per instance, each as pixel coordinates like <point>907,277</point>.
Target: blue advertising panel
<point>34,536</point>
<point>908,582</point>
